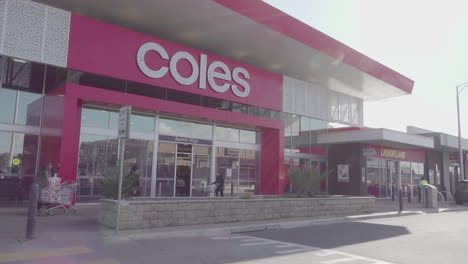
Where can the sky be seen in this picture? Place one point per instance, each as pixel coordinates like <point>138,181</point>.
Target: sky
<point>425,40</point>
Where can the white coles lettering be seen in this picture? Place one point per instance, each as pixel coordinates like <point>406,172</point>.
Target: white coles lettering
<point>224,75</point>
<point>240,81</point>
<point>179,78</point>
<point>217,73</point>
<point>142,63</point>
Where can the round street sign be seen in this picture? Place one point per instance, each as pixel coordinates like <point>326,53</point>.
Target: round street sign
<point>16,162</point>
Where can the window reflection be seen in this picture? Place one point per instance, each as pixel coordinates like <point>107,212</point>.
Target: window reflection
<point>248,136</point>
<point>29,109</point>
<point>96,118</point>
<point>227,134</point>
<point>5,148</point>
<point>142,123</point>
<point>8,103</point>
<point>185,129</point>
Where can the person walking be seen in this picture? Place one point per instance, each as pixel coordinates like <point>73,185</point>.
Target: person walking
<point>219,190</point>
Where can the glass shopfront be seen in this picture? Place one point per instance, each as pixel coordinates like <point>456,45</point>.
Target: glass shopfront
<point>172,158</point>
<point>382,178</point>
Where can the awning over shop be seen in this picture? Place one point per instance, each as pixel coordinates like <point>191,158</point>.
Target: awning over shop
<point>442,141</point>
<point>382,137</point>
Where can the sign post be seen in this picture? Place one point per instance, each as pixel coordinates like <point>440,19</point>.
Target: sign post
<point>123,133</point>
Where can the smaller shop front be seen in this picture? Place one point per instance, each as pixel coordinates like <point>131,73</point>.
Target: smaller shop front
<point>381,170</point>
<point>376,162</point>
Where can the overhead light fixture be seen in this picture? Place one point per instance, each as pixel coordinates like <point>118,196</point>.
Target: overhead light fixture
<point>20,61</point>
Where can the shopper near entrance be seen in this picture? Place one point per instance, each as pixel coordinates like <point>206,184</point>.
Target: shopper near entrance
<point>219,185</point>
<point>421,184</point>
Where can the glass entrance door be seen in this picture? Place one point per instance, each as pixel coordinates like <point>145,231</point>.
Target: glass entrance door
<point>166,169</point>
<point>183,170</point>
<point>227,166</point>
<point>201,170</point>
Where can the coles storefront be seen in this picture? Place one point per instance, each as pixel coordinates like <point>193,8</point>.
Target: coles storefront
<point>182,137</point>
<point>385,167</point>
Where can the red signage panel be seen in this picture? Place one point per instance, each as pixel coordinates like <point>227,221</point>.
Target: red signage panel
<point>105,49</point>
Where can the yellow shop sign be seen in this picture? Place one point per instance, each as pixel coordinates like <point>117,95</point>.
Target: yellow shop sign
<point>392,153</point>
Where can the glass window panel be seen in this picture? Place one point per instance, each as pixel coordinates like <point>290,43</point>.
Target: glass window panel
<point>227,168</point>
<point>248,136</point>
<point>97,118</point>
<point>98,156</point>
<point>142,123</point>
<point>25,151</point>
<point>5,148</point>
<point>55,77</point>
<point>146,90</point>
<point>165,170</point>
<point>295,123</point>
<point>201,171</point>
<point>249,171</point>
<point>316,124</point>
<point>183,97</point>
<point>305,124</point>
<point>29,109</point>
<point>227,134</point>
<point>185,129</point>
<point>100,81</point>
<point>114,119</point>
<point>202,131</point>
<point>22,75</point>
<point>138,164</point>
<point>8,103</point>
<point>405,168</point>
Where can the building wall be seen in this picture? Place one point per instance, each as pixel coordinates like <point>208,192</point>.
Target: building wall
<point>44,32</point>
<point>349,154</point>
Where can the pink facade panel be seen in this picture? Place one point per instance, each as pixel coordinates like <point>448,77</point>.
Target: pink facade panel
<point>104,49</point>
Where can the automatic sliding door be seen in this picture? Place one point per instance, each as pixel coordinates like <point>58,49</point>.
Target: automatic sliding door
<point>166,169</point>
<point>201,170</point>
<point>183,170</point>
<point>227,166</point>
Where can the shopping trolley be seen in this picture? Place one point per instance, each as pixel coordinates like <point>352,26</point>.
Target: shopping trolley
<point>61,197</point>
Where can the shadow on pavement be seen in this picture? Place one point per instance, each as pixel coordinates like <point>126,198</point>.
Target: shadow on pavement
<point>335,235</point>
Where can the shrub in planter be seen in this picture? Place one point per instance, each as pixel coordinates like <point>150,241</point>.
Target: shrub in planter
<point>110,185</point>
<point>305,181</point>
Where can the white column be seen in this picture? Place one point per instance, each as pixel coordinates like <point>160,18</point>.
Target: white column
<point>155,158</point>
<point>212,162</point>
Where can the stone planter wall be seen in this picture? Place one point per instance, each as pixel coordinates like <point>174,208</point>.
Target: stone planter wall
<point>147,213</point>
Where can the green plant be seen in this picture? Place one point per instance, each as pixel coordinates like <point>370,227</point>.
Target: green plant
<point>305,181</point>
<point>110,185</point>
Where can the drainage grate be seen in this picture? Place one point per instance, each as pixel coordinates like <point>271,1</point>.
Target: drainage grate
<point>11,243</point>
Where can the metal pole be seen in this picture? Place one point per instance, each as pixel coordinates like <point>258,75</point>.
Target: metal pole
<point>32,211</point>
<point>460,152</point>
<point>119,194</point>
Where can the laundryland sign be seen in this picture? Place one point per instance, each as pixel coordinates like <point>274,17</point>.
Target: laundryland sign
<point>394,154</point>
<point>108,50</point>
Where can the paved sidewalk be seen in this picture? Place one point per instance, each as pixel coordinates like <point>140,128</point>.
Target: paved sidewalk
<point>84,227</point>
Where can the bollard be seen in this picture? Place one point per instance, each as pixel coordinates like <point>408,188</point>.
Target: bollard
<point>409,197</point>
<point>426,196</point>
<point>32,211</point>
<point>393,193</point>
<point>400,198</point>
